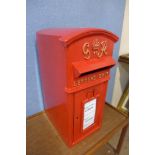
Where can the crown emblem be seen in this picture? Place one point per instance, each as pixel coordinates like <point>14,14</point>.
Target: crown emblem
<point>96,45</point>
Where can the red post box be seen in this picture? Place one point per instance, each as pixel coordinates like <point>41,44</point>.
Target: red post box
<point>75,68</point>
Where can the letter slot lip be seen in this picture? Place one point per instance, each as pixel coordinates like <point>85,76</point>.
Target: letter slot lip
<point>83,67</point>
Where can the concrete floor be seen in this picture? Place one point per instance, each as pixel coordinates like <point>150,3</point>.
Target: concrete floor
<point>113,142</point>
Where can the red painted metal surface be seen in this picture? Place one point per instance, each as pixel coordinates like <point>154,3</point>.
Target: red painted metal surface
<point>75,68</point>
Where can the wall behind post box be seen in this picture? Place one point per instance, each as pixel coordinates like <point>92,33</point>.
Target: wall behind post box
<point>107,14</point>
<point>122,71</point>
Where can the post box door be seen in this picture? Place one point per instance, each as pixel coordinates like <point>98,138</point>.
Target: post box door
<point>88,107</point>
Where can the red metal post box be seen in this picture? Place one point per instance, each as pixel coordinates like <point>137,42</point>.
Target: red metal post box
<point>75,68</point>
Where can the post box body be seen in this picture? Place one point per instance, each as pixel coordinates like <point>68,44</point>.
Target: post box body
<point>75,69</point>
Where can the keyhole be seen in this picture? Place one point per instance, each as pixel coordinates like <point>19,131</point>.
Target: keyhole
<point>77,117</point>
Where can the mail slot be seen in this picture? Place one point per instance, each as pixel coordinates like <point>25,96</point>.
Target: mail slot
<point>75,68</point>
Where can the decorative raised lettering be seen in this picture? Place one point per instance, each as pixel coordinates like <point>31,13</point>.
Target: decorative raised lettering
<point>98,49</point>
<point>103,47</point>
<point>86,51</point>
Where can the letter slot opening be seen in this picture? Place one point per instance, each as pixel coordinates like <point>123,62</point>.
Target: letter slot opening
<point>82,68</point>
<point>93,71</point>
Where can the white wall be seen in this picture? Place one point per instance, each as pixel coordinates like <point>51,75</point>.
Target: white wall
<point>122,73</point>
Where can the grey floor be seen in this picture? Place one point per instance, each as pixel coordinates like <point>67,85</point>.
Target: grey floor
<point>113,142</point>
